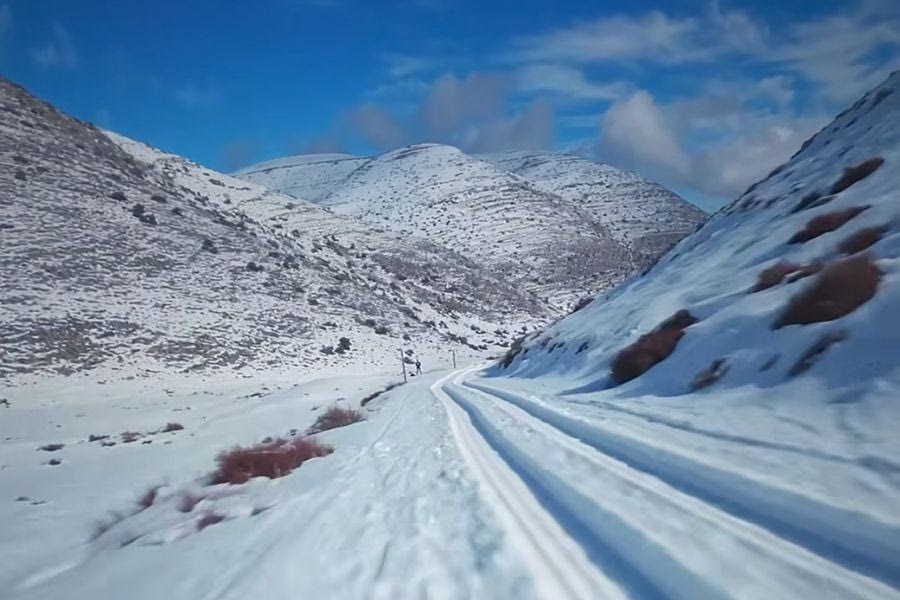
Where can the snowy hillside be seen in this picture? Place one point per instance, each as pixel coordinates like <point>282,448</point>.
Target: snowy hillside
<point>638,213</point>
<point>552,237</point>
<point>747,385</point>
<point>121,257</point>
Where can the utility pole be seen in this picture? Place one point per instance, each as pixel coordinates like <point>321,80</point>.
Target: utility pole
<point>403,365</point>
<point>453,352</point>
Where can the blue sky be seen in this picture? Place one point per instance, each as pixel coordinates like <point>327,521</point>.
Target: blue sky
<point>703,96</point>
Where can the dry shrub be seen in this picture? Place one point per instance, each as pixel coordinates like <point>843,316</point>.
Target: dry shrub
<point>651,348</point>
<point>862,239</point>
<point>772,276</point>
<point>814,352</point>
<point>841,288</point>
<point>188,501</point>
<point>806,271</point>
<point>335,417</point>
<point>856,174</point>
<point>274,459</point>
<point>208,519</point>
<point>172,427</point>
<point>52,447</point>
<point>709,375</point>
<point>147,498</point>
<point>131,436</point>
<point>823,224</point>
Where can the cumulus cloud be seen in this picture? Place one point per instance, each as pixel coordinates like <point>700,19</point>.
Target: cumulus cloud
<point>635,131</point>
<point>378,127</point>
<point>59,51</point>
<point>567,82</point>
<point>660,140</point>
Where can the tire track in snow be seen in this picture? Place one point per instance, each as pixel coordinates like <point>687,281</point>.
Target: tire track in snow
<point>559,566</point>
<point>849,558</point>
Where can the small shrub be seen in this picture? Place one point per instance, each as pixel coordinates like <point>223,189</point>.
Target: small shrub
<point>187,502</point>
<point>374,395</point>
<point>772,276</point>
<point>147,499</point>
<point>709,375</point>
<point>856,174</point>
<point>841,288</point>
<point>209,246</point>
<point>275,459</point>
<point>814,352</point>
<point>808,201</point>
<point>118,196</point>
<point>651,348</point>
<point>255,268</point>
<point>207,519</point>
<point>823,224</point>
<point>862,239</point>
<point>514,350</point>
<point>52,447</point>
<point>96,438</point>
<point>130,436</point>
<point>335,417</point>
<point>172,427</point>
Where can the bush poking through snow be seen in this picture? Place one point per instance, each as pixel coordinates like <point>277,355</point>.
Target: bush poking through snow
<point>709,375</point>
<point>856,173</point>
<point>772,276</point>
<point>52,447</point>
<point>147,499</point>
<point>274,459</point>
<point>862,239</point>
<point>842,287</point>
<point>374,395</point>
<point>825,223</point>
<point>335,417</point>
<point>208,519</point>
<point>651,348</point>
<point>172,427</point>
<point>814,352</point>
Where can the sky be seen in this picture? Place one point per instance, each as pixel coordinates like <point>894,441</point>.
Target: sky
<point>705,97</point>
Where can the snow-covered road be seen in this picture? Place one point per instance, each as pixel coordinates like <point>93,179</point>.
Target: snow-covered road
<point>592,517</point>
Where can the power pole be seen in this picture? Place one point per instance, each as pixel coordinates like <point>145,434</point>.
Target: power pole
<point>403,365</point>
<point>453,352</point>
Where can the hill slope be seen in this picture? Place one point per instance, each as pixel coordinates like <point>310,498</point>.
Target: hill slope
<point>519,226</point>
<point>753,373</point>
<point>121,256</point>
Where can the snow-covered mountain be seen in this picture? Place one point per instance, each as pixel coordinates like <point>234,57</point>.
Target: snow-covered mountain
<point>638,213</point>
<point>747,385</point>
<point>120,256</point>
<point>555,225</point>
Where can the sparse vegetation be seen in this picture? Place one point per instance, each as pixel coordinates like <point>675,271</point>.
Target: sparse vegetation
<point>335,417</point>
<point>172,427</point>
<point>862,239</point>
<point>274,459</point>
<point>772,276</point>
<point>651,348</point>
<point>856,174</point>
<point>826,223</point>
<point>52,447</point>
<point>840,289</point>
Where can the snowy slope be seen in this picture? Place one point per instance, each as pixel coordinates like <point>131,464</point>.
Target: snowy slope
<point>559,230</point>
<point>639,213</point>
<point>122,257</point>
<point>775,413</point>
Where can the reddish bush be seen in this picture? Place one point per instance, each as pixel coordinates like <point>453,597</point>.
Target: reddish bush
<point>148,498</point>
<point>862,239</point>
<point>188,501</point>
<point>772,276</point>
<point>335,417</point>
<point>806,271</point>
<point>172,427</point>
<point>825,223</point>
<point>130,436</point>
<point>651,348</point>
<point>856,173</point>
<point>841,288</point>
<point>275,459</point>
<point>209,518</point>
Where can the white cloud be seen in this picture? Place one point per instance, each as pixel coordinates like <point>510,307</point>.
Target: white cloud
<point>652,35</point>
<point>403,65</point>
<point>199,96</point>
<point>566,81</point>
<point>635,130</point>
<point>59,51</point>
